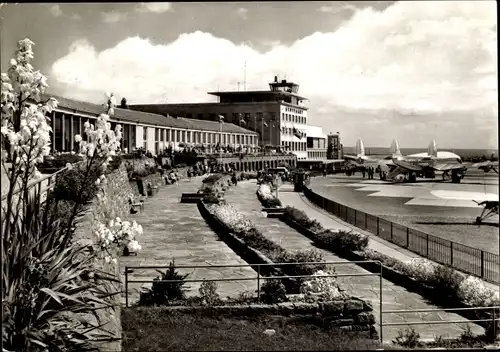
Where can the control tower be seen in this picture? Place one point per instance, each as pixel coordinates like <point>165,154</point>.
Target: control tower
<point>335,150</point>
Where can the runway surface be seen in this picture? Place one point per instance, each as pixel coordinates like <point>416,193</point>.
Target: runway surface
<point>413,205</point>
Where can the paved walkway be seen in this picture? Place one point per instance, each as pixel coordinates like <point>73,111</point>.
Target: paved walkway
<point>175,230</point>
<point>393,297</point>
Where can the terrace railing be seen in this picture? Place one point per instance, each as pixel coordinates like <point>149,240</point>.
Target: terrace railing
<point>461,257</point>
<point>259,277</point>
<point>39,186</point>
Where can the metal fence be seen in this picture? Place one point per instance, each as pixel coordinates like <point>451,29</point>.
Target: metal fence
<point>259,277</point>
<point>464,258</point>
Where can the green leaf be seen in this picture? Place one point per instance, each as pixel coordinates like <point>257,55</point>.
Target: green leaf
<point>52,294</point>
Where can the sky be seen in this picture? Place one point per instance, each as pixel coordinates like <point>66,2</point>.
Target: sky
<point>375,70</point>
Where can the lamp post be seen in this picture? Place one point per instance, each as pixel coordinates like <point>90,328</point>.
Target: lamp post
<point>221,121</point>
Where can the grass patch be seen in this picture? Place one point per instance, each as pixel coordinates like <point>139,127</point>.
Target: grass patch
<point>154,330</point>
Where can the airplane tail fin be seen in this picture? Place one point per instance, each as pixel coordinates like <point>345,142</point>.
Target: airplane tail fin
<point>432,150</point>
<point>360,148</point>
<point>395,151</point>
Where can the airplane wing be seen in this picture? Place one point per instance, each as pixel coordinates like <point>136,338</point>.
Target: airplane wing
<point>351,157</point>
<point>406,165</point>
<point>448,167</point>
<point>486,163</point>
<point>483,163</point>
<point>463,195</point>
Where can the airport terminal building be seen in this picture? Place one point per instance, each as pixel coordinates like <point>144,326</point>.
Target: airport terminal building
<point>145,130</point>
<point>277,115</point>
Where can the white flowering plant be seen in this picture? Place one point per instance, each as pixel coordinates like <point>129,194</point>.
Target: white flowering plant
<point>231,217</point>
<point>118,234</point>
<point>266,196</point>
<point>473,292</point>
<point>420,269</point>
<point>322,287</point>
<point>47,277</point>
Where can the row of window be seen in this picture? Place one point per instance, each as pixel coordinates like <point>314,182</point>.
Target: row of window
<point>294,146</point>
<point>197,137</point>
<point>294,118</point>
<point>295,111</point>
<point>66,126</point>
<point>316,155</point>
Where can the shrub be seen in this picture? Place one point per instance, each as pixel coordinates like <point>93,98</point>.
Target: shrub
<point>73,185</point>
<point>420,269</point>
<point>341,241</point>
<point>409,338</point>
<point>446,280</point>
<point>208,293</point>
<point>473,292</point>
<point>273,291</point>
<point>60,160</point>
<point>302,219</point>
<point>211,179</point>
<point>293,285</point>
<point>266,197</point>
<point>307,256</point>
<point>211,198</point>
<point>163,293</point>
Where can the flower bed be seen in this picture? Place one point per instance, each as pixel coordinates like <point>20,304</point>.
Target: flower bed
<point>418,274</point>
<point>230,221</point>
<point>266,196</point>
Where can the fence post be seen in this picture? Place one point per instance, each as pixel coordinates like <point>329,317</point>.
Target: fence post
<point>355,213</point>
<point>427,244</point>
<point>366,220</point>
<point>378,226</point>
<point>392,237</point>
<point>482,264</point>
<point>493,338</point>
<point>451,253</point>
<point>258,283</point>
<point>407,237</point>
<point>126,286</point>
<point>381,311</point>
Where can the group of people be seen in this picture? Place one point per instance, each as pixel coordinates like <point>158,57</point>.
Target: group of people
<point>172,177</point>
<point>369,171</point>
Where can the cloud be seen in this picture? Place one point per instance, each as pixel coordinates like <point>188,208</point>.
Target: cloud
<point>113,16</point>
<point>156,7</point>
<point>56,10</point>
<point>75,16</point>
<point>337,7</point>
<point>242,12</point>
<point>419,61</point>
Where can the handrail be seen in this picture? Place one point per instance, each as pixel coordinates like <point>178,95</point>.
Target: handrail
<point>33,183</point>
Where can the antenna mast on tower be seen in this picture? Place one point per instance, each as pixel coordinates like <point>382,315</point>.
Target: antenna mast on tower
<point>245,77</point>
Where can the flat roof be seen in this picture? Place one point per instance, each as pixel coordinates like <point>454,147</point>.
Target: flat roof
<point>256,92</point>
<point>135,116</point>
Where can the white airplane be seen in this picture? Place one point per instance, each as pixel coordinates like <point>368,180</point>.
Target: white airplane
<point>489,201</point>
<point>361,160</point>
<point>406,168</point>
<point>360,156</point>
<point>487,165</point>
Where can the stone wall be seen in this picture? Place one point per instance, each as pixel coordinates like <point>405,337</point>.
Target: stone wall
<point>155,179</point>
<point>351,314</point>
<point>112,202</point>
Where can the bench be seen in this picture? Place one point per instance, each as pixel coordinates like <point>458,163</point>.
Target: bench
<point>191,197</point>
<point>274,212</point>
<point>152,190</point>
<point>136,203</point>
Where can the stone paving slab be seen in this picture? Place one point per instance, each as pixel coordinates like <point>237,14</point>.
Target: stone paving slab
<point>394,297</point>
<point>175,230</point>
